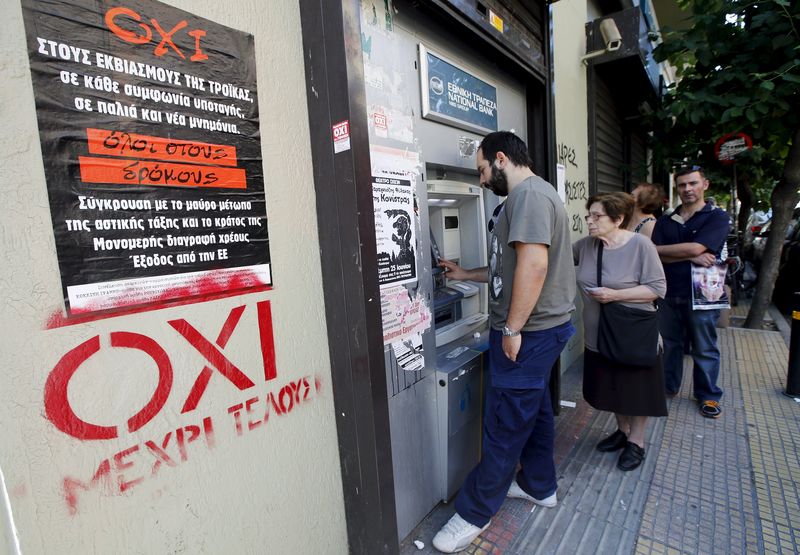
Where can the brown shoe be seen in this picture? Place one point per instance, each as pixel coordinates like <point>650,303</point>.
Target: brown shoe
<point>710,409</point>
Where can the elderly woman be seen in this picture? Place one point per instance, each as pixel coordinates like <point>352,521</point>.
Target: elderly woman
<point>649,199</point>
<point>632,275</point>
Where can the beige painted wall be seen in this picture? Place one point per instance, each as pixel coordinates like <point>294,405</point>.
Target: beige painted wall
<point>572,135</point>
<point>276,488</point>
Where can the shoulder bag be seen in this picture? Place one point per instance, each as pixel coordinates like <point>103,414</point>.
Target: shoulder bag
<point>626,335</point>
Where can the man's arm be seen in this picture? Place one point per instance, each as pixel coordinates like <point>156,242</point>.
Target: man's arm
<point>454,271</point>
<point>681,252</point>
<point>529,278</point>
<point>702,251</point>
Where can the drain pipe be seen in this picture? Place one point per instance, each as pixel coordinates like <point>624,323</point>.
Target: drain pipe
<point>793,376</point>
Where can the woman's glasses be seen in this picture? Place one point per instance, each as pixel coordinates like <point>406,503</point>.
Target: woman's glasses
<point>593,217</point>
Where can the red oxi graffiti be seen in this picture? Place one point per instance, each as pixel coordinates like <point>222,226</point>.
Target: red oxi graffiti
<point>60,412</point>
<point>122,471</point>
<point>132,466</point>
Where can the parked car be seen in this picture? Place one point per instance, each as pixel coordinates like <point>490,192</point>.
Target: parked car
<point>754,225</point>
<point>756,253</point>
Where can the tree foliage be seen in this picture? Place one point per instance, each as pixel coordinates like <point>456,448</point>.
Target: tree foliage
<point>738,69</point>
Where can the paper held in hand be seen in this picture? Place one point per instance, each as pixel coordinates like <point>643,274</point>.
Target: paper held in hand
<point>708,287</point>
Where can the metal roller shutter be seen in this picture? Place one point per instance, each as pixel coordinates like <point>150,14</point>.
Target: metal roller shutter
<point>609,142</point>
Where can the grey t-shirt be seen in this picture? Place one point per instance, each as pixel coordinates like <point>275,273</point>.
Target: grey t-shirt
<point>634,263</point>
<point>532,213</point>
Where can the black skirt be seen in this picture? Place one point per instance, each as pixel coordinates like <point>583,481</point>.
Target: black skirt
<point>623,389</point>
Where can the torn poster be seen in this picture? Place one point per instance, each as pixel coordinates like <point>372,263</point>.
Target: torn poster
<point>402,316</point>
<point>409,353</point>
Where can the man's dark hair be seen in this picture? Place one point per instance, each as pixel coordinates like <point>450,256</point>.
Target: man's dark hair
<point>509,144</point>
<point>616,205</point>
<point>686,170</point>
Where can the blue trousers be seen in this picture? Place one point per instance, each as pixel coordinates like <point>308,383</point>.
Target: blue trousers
<point>676,321</point>
<point>517,426</point>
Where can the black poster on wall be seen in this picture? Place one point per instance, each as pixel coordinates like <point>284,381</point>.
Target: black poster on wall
<point>148,120</point>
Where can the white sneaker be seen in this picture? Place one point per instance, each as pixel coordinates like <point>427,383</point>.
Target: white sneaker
<point>456,535</point>
<point>516,492</point>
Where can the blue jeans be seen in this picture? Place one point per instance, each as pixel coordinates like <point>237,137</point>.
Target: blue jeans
<point>517,426</point>
<point>676,321</point>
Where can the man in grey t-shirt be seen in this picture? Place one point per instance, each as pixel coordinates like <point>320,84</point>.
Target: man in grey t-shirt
<point>532,288</point>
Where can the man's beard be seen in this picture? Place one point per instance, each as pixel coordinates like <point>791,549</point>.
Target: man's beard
<point>498,183</point>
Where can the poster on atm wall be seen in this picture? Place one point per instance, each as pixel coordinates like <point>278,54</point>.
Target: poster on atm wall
<point>149,128</point>
<point>395,230</point>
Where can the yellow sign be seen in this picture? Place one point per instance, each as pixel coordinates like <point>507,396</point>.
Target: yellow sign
<point>795,315</point>
<point>495,21</point>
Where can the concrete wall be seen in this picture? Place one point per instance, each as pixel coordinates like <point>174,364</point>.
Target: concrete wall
<point>275,488</point>
<point>572,134</point>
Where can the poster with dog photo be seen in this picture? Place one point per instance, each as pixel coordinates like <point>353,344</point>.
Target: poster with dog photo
<point>395,230</point>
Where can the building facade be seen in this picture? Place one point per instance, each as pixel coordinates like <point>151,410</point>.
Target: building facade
<point>293,385</point>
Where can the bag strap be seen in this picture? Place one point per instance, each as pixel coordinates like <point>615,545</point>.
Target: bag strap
<point>600,271</point>
<point>640,225</point>
<point>600,264</point>
<point>600,284</point>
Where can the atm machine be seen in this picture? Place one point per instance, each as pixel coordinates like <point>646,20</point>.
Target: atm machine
<point>435,411</point>
<point>460,314</point>
<point>455,215</point>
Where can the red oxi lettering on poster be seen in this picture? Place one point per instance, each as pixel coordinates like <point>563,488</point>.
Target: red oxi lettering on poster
<point>118,18</point>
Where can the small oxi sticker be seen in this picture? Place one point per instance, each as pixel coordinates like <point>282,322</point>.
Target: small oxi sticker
<point>380,124</point>
<point>341,136</point>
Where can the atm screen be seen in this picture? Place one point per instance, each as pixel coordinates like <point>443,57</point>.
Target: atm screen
<point>436,254</point>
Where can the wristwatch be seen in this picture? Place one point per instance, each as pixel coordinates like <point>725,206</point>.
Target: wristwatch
<point>508,332</point>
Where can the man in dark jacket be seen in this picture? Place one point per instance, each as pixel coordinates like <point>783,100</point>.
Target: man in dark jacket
<point>694,233</point>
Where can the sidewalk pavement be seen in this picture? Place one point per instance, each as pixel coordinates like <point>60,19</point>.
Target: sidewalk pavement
<point>726,486</point>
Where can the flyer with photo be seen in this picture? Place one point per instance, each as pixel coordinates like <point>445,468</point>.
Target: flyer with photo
<point>708,287</point>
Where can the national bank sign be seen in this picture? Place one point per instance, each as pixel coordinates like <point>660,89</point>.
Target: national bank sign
<point>454,96</point>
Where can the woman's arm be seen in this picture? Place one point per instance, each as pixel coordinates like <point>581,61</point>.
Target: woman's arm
<point>638,294</point>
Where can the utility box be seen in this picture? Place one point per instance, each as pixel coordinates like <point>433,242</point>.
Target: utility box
<point>458,401</point>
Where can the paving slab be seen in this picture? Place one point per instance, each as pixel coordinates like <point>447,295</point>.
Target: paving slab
<point>730,485</point>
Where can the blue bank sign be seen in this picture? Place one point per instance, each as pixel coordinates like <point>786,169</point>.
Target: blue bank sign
<point>453,96</point>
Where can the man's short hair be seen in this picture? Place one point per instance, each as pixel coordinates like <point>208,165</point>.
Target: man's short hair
<point>616,205</point>
<point>686,170</point>
<point>651,197</point>
<point>509,144</point>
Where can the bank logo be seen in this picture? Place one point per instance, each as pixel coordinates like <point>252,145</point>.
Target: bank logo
<point>436,85</point>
